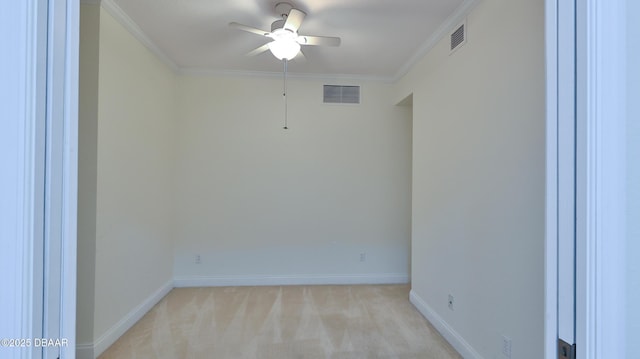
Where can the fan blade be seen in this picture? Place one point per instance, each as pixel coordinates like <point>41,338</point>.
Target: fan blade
<point>235,25</point>
<point>259,50</point>
<point>294,20</point>
<point>300,57</point>
<point>319,40</point>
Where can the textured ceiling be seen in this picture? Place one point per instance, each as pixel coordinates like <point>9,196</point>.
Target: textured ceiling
<point>380,38</point>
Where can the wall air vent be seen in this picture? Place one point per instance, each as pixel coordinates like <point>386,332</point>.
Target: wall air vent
<point>341,94</point>
<point>458,37</point>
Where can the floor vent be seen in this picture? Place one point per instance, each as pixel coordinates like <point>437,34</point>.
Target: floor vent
<point>341,94</point>
<point>458,37</point>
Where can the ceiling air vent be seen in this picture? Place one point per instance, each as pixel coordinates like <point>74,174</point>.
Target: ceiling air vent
<point>458,37</point>
<point>341,94</point>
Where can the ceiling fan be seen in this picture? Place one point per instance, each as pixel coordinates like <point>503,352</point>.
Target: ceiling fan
<point>286,41</point>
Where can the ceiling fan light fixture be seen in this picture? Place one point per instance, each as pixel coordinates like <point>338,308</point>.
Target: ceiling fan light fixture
<point>284,49</point>
<point>285,44</point>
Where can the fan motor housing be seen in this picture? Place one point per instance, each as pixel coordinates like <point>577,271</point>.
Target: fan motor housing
<point>278,24</point>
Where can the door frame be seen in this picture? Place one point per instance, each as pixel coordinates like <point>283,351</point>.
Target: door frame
<point>31,41</point>
<point>599,45</point>
<point>560,231</point>
<point>551,180</point>
<point>67,48</point>
<point>601,103</point>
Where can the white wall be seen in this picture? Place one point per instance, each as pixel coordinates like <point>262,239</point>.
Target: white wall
<point>135,163</point>
<point>633,180</point>
<point>87,169</point>
<point>255,200</point>
<point>478,181</point>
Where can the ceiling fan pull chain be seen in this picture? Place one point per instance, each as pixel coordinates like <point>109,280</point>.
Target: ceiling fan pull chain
<point>284,94</point>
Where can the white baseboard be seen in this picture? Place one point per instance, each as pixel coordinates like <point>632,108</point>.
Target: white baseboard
<point>262,280</point>
<point>93,350</point>
<point>447,332</point>
<point>84,351</point>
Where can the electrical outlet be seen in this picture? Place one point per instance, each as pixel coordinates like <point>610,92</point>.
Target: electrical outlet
<point>363,257</point>
<point>450,302</point>
<point>198,260</point>
<point>506,346</point>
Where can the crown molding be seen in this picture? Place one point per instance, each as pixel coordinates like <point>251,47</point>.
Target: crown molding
<point>456,18</point>
<point>133,28</point>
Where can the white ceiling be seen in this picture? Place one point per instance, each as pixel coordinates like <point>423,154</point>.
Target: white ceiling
<point>380,38</point>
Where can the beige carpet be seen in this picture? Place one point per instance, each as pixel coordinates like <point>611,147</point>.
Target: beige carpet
<point>283,322</point>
